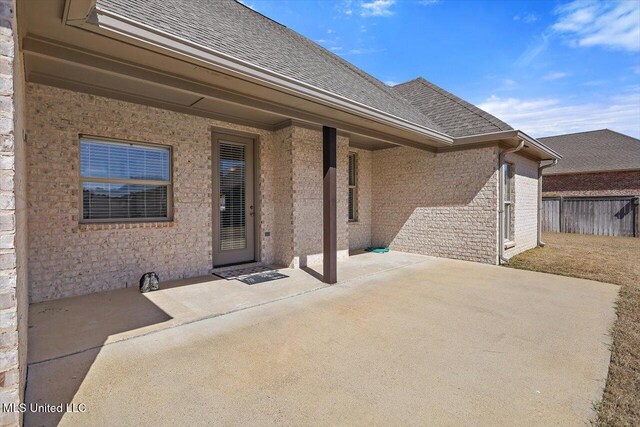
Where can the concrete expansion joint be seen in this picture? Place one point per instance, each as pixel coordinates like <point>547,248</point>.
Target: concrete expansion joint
<point>213,316</point>
<point>200,319</point>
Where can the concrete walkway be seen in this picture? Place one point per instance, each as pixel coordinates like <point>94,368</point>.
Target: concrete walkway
<point>421,341</point>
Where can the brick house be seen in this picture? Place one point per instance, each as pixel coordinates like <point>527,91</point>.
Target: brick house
<point>596,187</point>
<point>596,163</point>
<point>167,136</point>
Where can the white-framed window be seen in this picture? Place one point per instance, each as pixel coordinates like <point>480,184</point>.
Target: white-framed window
<point>124,181</point>
<point>353,187</point>
<point>509,198</point>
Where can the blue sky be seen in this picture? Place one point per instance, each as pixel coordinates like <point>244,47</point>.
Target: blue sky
<point>546,67</point>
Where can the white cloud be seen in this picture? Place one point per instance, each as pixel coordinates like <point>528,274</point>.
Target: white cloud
<point>363,51</point>
<point>614,25</point>
<point>390,82</point>
<point>534,50</point>
<point>636,69</point>
<point>249,5</point>
<point>595,83</point>
<point>551,116</point>
<point>345,7</point>
<point>529,18</point>
<point>555,75</point>
<point>377,8</point>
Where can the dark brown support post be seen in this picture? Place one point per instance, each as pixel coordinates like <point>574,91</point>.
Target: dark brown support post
<point>329,234</point>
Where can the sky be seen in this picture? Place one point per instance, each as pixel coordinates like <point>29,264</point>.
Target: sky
<point>544,67</point>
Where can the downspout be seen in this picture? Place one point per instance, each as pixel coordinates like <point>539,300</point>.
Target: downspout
<point>540,168</point>
<point>501,257</point>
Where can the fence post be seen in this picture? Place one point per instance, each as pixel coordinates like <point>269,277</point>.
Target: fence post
<point>636,220</point>
<point>561,212</point>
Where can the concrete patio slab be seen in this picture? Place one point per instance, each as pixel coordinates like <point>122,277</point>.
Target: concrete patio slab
<point>438,342</point>
<point>70,325</point>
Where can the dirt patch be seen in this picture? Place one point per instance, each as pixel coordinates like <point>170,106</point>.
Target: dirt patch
<point>607,259</point>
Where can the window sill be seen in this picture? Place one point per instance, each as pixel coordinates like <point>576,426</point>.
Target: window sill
<point>508,244</point>
<point>94,226</point>
<point>353,221</point>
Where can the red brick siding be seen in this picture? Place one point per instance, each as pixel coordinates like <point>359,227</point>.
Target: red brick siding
<point>592,184</point>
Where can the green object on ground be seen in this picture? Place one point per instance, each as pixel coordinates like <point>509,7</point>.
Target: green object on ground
<point>377,249</point>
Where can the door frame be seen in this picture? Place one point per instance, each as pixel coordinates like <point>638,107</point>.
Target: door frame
<point>217,132</point>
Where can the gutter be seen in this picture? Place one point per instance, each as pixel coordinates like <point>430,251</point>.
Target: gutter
<point>509,134</point>
<point>99,19</point>
<point>540,168</point>
<point>501,257</point>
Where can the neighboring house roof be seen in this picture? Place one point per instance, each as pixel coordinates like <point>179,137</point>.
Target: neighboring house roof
<point>455,116</point>
<point>233,29</point>
<point>593,151</point>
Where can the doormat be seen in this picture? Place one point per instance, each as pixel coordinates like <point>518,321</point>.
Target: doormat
<point>250,275</point>
<point>256,278</point>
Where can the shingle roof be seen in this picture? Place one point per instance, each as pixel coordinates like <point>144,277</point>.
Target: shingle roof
<point>454,115</point>
<point>594,151</point>
<point>233,29</point>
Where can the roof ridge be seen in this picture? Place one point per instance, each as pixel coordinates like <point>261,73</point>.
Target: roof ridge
<point>261,14</point>
<point>576,133</point>
<point>467,105</point>
<point>622,134</point>
<point>590,131</point>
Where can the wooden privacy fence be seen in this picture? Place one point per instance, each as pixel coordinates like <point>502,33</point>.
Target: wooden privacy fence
<point>606,216</point>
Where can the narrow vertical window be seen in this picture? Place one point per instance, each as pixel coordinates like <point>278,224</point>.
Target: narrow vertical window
<point>509,190</point>
<point>122,181</point>
<point>353,187</point>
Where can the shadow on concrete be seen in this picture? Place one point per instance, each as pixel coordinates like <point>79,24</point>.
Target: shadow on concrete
<point>312,272</point>
<point>66,335</point>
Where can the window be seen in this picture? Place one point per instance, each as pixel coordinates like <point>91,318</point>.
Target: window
<point>353,189</point>
<point>508,190</point>
<point>122,181</point>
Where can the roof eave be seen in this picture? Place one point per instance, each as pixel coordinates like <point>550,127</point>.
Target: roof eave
<point>593,171</point>
<point>114,23</point>
<point>513,136</point>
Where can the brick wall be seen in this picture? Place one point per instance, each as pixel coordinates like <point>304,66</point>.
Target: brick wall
<point>441,205</point>
<point>13,277</point>
<point>360,230</point>
<point>68,258</point>
<point>525,227</point>
<point>282,231</point>
<point>592,184</point>
<point>307,196</point>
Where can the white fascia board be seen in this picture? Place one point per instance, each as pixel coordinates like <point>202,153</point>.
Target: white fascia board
<point>506,135</point>
<point>539,145</point>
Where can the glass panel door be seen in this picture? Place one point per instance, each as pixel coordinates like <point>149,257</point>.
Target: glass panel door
<point>233,199</point>
<point>232,169</point>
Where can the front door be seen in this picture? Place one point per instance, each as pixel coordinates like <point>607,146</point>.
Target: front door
<point>233,199</point>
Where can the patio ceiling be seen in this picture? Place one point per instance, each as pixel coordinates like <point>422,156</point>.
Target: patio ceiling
<point>76,55</point>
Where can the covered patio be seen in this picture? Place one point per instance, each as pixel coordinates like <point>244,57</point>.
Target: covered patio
<point>70,325</point>
<point>401,338</point>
